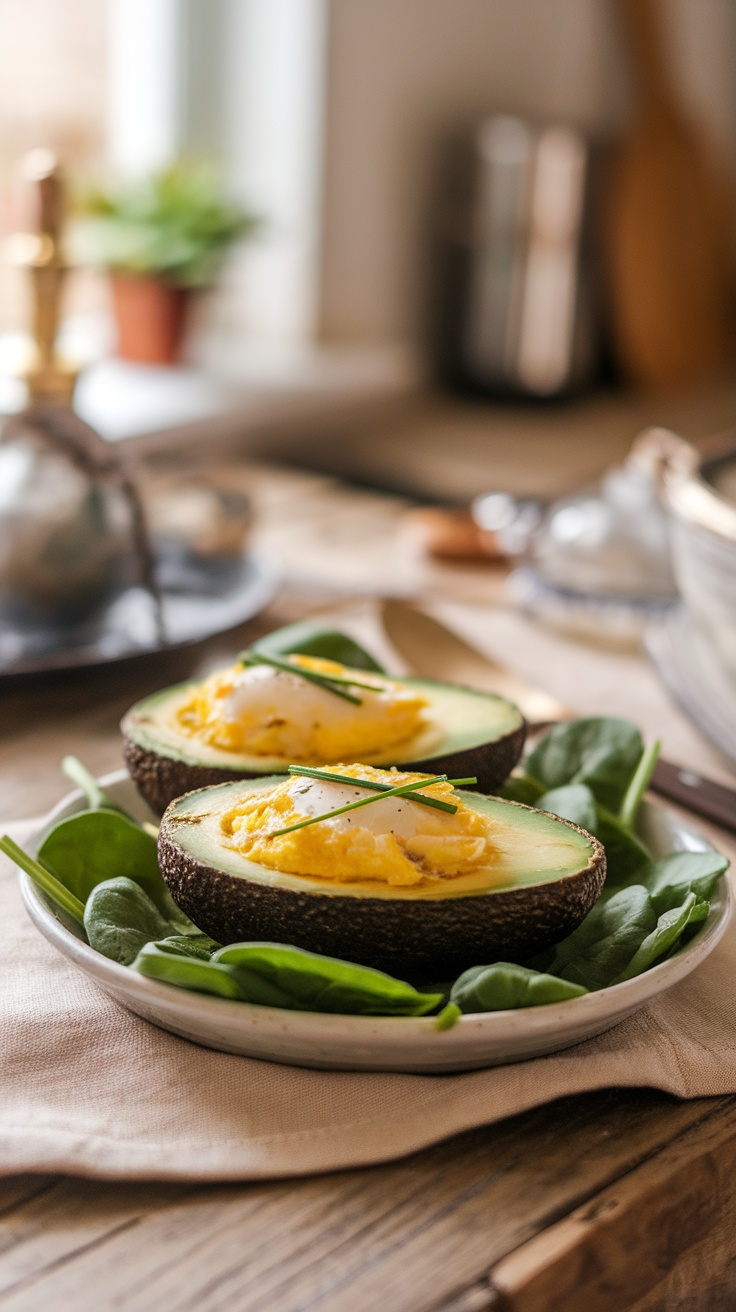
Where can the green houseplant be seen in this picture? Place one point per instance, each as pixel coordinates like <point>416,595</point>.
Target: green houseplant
<point>160,238</point>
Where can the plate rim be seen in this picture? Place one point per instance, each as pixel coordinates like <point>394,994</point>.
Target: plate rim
<point>626,996</point>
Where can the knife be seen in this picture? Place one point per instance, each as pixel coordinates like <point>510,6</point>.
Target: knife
<point>436,652</point>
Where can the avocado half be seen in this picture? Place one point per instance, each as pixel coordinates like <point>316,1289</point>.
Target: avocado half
<point>553,872</point>
<point>471,734</point>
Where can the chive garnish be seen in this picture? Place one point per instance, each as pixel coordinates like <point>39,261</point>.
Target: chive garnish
<point>402,791</point>
<point>45,880</point>
<point>313,773</point>
<point>311,676</point>
<point>342,679</point>
<point>381,790</point>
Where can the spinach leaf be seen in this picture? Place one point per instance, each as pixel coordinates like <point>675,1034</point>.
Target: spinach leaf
<point>600,949</point>
<point>602,752</point>
<point>504,986</point>
<point>681,873</point>
<point>573,802</point>
<point>666,934</point>
<point>273,975</point>
<point>521,788</point>
<point>67,902</point>
<point>97,799</point>
<point>448,1017</point>
<point>156,962</point>
<point>200,946</point>
<point>78,774</point>
<point>627,859</point>
<point>120,919</point>
<point>306,981</point>
<point>631,930</point>
<point>638,784</point>
<point>94,846</point>
<point>310,639</point>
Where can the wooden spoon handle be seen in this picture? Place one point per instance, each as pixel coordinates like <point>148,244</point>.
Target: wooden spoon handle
<point>643,26</point>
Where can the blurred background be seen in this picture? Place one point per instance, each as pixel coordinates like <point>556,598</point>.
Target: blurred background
<point>353,130</point>
<point>402,279</point>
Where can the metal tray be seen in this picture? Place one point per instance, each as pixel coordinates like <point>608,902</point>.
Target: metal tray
<point>128,628</point>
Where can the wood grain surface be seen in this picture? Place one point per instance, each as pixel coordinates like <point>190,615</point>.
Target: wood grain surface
<point>408,1237</point>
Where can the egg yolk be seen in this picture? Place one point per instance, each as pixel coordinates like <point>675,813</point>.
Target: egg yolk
<point>394,840</point>
<point>262,711</point>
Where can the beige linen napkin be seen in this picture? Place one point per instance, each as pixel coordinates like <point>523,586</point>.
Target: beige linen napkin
<point>88,1088</point>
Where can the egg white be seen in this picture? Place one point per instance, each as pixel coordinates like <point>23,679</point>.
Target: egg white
<point>266,712</point>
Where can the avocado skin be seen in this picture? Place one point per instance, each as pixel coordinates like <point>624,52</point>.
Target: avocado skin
<point>435,938</point>
<point>490,763</point>
<point>160,779</point>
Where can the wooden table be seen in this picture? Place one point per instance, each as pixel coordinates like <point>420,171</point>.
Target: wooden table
<point>611,1201</point>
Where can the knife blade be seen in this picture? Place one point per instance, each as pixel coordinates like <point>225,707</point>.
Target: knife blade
<point>434,651</point>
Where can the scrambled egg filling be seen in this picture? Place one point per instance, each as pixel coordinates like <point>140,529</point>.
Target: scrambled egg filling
<point>261,711</point>
<point>395,840</point>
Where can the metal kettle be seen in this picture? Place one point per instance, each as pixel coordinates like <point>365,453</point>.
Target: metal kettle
<point>72,534</point>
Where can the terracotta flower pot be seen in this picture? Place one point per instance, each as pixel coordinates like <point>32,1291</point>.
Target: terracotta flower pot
<point>151,318</point>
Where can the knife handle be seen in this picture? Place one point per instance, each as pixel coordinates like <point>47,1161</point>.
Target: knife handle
<point>703,796</point>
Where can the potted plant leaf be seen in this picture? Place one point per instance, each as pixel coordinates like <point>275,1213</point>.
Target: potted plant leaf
<point>160,238</point>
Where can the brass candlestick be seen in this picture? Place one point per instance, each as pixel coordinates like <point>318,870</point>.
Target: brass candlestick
<point>41,253</point>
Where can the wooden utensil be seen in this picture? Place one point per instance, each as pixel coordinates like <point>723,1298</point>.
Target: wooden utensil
<point>434,651</point>
<point>666,227</point>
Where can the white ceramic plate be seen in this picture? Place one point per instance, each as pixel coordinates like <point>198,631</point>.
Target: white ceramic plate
<point>376,1043</point>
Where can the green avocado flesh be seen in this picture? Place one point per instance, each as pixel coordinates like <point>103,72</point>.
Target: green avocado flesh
<point>547,877</point>
<point>467,733</point>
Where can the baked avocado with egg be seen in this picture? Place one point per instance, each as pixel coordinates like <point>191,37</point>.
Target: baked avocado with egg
<point>259,715</point>
<point>398,884</point>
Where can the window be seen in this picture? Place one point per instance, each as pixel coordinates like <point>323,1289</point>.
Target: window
<point>53,91</point>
